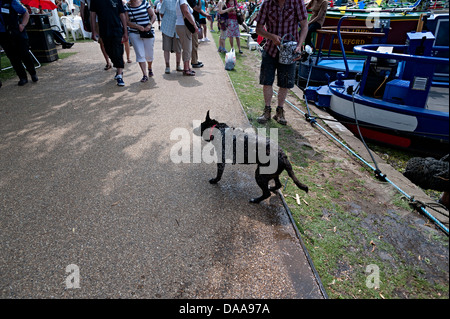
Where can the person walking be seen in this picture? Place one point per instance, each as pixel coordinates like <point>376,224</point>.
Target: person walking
<point>113,31</point>
<point>157,6</point>
<point>222,22</point>
<point>14,39</point>
<point>170,39</point>
<point>232,25</point>
<point>85,10</point>
<point>140,18</point>
<point>275,19</point>
<point>197,11</point>
<point>212,10</point>
<point>202,20</point>
<point>184,10</point>
<point>318,14</point>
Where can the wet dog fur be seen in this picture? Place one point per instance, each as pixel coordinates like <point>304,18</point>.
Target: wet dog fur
<point>210,125</point>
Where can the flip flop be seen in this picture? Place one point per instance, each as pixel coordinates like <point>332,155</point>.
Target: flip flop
<point>188,73</point>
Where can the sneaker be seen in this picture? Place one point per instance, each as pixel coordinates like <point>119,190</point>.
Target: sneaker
<point>150,72</point>
<point>144,79</point>
<point>197,65</point>
<point>206,40</point>
<point>120,81</point>
<point>167,71</point>
<point>34,78</point>
<point>22,82</point>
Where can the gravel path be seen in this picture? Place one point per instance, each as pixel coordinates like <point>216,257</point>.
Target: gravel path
<point>86,180</point>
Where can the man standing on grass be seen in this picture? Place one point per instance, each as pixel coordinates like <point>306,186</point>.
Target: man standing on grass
<point>277,18</point>
<point>113,31</point>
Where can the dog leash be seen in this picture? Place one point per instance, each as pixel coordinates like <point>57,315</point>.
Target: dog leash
<point>211,131</point>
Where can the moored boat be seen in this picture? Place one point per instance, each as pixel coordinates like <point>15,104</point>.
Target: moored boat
<point>399,20</point>
<point>396,99</point>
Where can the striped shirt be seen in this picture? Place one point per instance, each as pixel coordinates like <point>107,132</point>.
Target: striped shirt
<point>281,20</point>
<point>138,15</point>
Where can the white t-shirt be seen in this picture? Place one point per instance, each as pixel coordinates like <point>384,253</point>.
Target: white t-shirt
<point>180,18</point>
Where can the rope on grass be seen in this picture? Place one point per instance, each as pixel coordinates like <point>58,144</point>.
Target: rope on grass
<point>378,174</point>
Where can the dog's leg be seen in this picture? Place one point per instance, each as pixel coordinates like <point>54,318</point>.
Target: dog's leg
<point>277,184</point>
<point>220,168</point>
<point>263,183</point>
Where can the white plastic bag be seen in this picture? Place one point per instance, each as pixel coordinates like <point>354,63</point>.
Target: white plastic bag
<point>230,60</point>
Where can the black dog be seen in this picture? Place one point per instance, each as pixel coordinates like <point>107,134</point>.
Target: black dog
<point>253,150</point>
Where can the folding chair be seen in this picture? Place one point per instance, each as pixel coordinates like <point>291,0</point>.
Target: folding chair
<point>38,64</point>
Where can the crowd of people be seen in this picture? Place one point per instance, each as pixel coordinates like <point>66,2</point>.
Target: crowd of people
<point>116,24</point>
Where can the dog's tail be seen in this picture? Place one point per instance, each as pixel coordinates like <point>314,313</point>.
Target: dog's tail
<point>291,174</point>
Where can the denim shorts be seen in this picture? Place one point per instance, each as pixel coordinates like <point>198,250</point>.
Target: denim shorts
<point>285,72</point>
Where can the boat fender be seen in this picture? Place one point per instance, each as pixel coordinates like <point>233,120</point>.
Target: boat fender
<point>340,77</point>
<point>350,90</point>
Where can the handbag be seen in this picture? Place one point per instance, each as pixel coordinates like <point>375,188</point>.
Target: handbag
<point>190,27</point>
<point>239,14</point>
<point>146,34</point>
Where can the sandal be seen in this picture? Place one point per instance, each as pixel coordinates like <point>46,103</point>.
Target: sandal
<point>107,67</point>
<point>150,72</point>
<point>144,79</point>
<point>188,72</point>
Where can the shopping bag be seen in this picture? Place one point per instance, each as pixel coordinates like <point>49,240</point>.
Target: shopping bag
<point>230,60</point>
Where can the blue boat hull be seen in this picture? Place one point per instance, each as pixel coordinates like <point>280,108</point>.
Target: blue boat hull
<point>416,129</point>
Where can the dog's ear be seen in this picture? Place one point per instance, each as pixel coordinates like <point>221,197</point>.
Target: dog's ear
<point>208,119</point>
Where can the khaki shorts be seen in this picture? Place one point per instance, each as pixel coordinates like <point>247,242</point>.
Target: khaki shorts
<point>171,44</point>
<point>186,42</point>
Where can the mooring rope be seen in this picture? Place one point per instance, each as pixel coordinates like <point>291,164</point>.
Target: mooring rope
<point>377,172</point>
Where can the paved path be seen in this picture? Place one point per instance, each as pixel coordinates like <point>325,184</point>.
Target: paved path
<point>86,180</point>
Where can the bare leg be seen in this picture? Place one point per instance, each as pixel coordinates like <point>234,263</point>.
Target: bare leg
<point>268,91</point>
<point>178,58</point>
<point>105,55</point>
<point>127,51</point>
<point>167,58</point>
<point>150,72</point>
<point>282,93</point>
<point>143,68</point>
